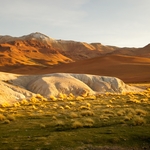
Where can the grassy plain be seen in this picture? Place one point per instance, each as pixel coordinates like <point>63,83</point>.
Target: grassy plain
<point>106,121</point>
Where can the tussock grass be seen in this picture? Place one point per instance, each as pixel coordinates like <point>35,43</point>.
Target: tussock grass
<point>42,125</point>
<point>6,121</point>
<point>53,98</point>
<point>2,117</point>
<point>84,107</point>
<point>77,124</point>
<point>11,118</point>
<point>74,115</point>
<point>138,121</point>
<point>67,122</point>
<point>121,113</point>
<point>2,110</point>
<point>104,117</point>
<point>108,111</point>
<point>140,112</point>
<point>87,113</point>
<point>89,120</point>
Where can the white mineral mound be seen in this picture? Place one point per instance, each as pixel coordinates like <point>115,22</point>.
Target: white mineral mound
<point>16,87</point>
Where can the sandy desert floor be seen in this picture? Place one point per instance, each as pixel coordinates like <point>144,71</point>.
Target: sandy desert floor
<point>128,69</point>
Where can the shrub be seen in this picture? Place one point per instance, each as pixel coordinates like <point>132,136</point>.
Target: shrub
<point>42,126</point>
<point>5,104</point>
<point>91,97</point>
<point>84,107</point>
<point>79,98</point>
<point>88,104</point>
<point>44,99</point>
<point>54,118</point>
<point>71,96</point>
<point>89,125</point>
<point>89,120</point>
<point>72,103</point>
<point>61,107</point>
<point>60,123</point>
<point>33,106</point>
<point>24,102</point>
<point>104,117</point>
<point>77,124</point>
<point>40,111</point>
<point>67,107</point>
<point>87,113</point>
<point>53,98</point>
<point>108,111</point>
<point>140,112</point>
<point>34,100</point>
<point>16,104</point>
<point>6,121</point>
<point>2,117</point>
<point>11,117</point>
<point>138,121</point>
<point>121,113</point>
<point>62,96</point>
<point>109,106</point>
<point>73,115</point>
<point>2,110</point>
<point>39,96</point>
<point>130,111</point>
<point>127,118</point>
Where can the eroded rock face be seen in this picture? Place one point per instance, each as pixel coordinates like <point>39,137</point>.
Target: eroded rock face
<point>15,87</point>
<point>53,84</point>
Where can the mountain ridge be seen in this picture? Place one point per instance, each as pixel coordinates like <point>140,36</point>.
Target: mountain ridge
<point>36,42</point>
<point>36,53</point>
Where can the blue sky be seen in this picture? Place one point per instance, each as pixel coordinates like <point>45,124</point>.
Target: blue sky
<point>123,23</point>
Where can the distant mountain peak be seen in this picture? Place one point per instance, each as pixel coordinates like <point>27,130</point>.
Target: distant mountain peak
<point>37,36</point>
<point>147,46</point>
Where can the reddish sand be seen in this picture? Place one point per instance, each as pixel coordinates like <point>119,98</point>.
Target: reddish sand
<point>35,57</point>
<point>129,69</point>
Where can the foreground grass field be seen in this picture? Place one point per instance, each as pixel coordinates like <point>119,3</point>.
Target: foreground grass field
<point>108,121</point>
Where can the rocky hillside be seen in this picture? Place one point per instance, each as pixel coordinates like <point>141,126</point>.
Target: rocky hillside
<point>37,53</point>
<point>39,49</point>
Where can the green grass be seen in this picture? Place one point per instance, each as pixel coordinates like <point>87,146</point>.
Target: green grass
<point>109,120</point>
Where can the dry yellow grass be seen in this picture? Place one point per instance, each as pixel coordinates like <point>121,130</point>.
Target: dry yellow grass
<point>2,117</point>
<point>77,124</point>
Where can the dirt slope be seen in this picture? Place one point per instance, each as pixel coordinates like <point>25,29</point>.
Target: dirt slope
<point>127,68</point>
<point>37,53</point>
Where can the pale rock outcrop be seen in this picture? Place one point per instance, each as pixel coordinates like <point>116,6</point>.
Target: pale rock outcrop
<point>16,87</point>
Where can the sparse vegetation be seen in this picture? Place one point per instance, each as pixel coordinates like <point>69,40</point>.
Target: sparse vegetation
<point>2,117</point>
<point>70,122</point>
<point>137,121</point>
<point>77,124</point>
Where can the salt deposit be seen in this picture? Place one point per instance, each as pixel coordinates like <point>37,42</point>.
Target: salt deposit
<point>16,87</point>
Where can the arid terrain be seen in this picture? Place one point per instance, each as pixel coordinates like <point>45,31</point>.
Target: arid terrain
<point>39,54</point>
<point>54,92</point>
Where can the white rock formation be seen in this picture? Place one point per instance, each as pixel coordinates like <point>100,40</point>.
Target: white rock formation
<point>15,87</point>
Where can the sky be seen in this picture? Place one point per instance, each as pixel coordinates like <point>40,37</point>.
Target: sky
<point>123,23</point>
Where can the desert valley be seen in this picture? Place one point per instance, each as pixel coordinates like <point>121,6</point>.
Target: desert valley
<point>37,53</point>
<point>52,89</point>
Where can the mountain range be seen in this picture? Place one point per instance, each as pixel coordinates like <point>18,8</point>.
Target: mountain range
<point>37,53</point>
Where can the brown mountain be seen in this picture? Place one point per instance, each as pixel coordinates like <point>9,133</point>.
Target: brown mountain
<point>36,44</point>
<point>37,53</point>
